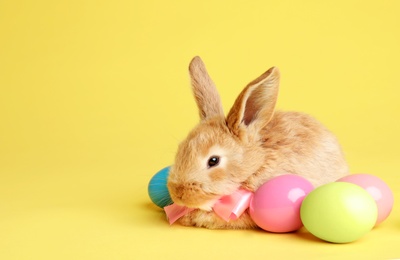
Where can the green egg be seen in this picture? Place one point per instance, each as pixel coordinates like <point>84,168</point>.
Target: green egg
<point>339,212</point>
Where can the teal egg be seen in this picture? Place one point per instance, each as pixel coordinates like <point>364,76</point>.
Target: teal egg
<point>157,189</point>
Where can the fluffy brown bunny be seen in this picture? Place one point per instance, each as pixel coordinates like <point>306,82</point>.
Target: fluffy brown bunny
<point>247,148</point>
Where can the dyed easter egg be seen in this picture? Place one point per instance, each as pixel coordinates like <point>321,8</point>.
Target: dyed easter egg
<point>378,189</point>
<point>157,188</point>
<point>275,206</point>
<point>339,212</point>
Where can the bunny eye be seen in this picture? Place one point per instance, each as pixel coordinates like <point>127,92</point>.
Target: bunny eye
<point>213,161</point>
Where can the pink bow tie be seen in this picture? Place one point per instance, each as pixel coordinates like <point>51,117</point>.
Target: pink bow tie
<point>228,207</point>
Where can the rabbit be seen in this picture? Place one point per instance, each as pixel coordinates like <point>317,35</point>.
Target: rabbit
<point>249,146</point>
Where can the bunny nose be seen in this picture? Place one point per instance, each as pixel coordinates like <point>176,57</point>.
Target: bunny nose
<point>176,191</point>
<point>179,191</point>
<point>184,193</point>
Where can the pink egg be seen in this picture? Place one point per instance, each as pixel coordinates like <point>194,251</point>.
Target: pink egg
<point>275,206</point>
<point>378,189</point>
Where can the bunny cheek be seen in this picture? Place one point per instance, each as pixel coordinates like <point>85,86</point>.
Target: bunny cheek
<point>217,174</point>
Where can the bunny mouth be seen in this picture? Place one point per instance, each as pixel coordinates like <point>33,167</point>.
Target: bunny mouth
<point>192,196</point>
<point>206,206</point>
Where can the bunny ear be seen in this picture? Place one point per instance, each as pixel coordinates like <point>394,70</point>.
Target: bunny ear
<point>204,90</point>
<point>255,106</point>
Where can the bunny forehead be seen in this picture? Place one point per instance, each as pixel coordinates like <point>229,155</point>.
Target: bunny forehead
<point>207,134</point>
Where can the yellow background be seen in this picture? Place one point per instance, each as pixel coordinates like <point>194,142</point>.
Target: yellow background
<point>94,98</point>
